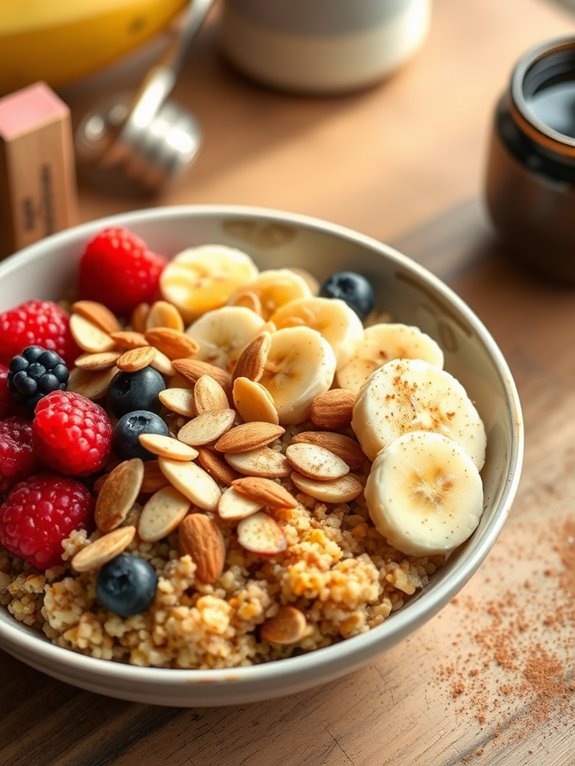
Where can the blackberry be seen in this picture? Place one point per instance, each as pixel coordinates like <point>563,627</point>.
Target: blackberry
<point>35,372</point>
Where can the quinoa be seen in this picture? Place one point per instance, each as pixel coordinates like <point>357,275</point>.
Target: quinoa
<point>337,569</point>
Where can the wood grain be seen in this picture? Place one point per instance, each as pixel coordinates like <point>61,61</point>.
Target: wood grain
<point>403,162</point>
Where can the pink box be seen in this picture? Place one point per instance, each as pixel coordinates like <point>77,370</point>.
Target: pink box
<point>37,169</point>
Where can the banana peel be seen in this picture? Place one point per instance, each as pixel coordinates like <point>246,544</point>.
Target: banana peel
<point>64,41</point>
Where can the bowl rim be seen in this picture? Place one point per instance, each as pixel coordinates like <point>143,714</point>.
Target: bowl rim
<point>418,611</point>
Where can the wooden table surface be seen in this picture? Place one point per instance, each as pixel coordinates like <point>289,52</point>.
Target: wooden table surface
<point>491,679</point>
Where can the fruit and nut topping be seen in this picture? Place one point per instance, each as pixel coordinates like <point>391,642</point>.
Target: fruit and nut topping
<point>207,464</point>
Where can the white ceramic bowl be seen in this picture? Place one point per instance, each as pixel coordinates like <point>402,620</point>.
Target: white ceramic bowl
<point>414,296</point>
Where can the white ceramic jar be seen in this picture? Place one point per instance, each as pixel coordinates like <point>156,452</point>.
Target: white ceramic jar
<point>322,46</point>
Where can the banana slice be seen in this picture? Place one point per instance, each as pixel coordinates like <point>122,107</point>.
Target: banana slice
<point>381,343</point>
<point>202,278</point>
<point>273,288</point>
<point>223,333</point>
<point>424,494</point>
<point>413,395</point>
<point>333,318</point>
<point>300,365</point>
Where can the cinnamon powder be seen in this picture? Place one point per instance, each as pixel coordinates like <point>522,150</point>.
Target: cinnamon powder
<point>513,668</point>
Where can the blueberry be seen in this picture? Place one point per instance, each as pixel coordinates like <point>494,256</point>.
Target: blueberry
<point>126,585</point>
<point>130,426</point>
<point>129,391</point>
<point>352,288</point>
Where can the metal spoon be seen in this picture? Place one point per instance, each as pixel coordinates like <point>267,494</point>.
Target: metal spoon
<point>143,138</point>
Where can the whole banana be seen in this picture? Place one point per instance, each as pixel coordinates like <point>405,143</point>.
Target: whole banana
<point>60,42</point>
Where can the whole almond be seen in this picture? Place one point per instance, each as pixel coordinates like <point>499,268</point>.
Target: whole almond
<point>341,490</point>
<point>270,493</point>
<point>167,446</point>
<point>333,409</point>
<point>265,462</point>
<point>125,339</point>
<point>118,494</point>
<point>101,361</point>
<point>248,436</point>
<point>287,626</point>
<point>179,400</point>
<point>316,462</point>
<point>261,534</point>
<point>253,402</point>
<point>341,445</point>
<point>192,369</point>
<point>173,343</point>
<point>135,359</point>
<point>201,538</point>
<point>107,547</point>
<point>209,395</point>
<point>234,506</point>
<point>251,362</point>
<point>207,427</point>
<point>97,314</point>
<point>192,481</point>
<point>89,336</point>
<point>162,513</point>
<point>164,314</point>
<point>218,469</point>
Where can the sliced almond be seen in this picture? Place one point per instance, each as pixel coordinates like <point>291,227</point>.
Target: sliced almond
<point>179,400</point>
<point>261,534</point>
<point>209,395</point>
<point>254,402</point>
<point>252,360</point>
<point>341,445</point>
<point>201,538</point>
<point>163,364</point>
<point>268,492</point>
<point>118,494</point>
<point>333,409</point>
<point>248,436</point>
<point>342,490</point>
<point>207,427</point>
<point>139,316</point>
<point>316,462</point>
<point>135,359</point>
<point>93,362</point>
<point>167,446</point>
<point>126,339</point>
<point>164,314</point>
<point>97,314</point>
<point>92,385</point>
<point>153,479</point>
<point>162,513</point>
<point>263,462</point>
<point>218,469</point>
<point>89,336</point>
<point>234,507</point>
<point>192,481</point>
<point>173,343</point>
<point>287,626</point>
<point>192,369</point>
<point>107,547</point>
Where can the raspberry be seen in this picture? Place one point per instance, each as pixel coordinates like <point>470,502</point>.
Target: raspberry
<point>17,458</point>
<point>118,270</point>
<point>39,513</point>
<point>71,434</point>
<point>36,323</point>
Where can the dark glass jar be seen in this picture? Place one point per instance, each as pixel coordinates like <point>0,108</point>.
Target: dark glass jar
<point>530,180</point>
